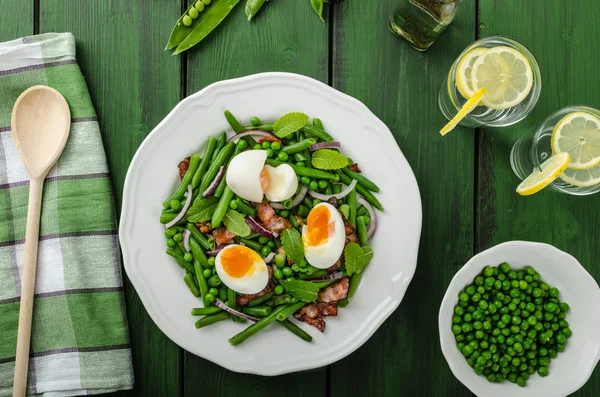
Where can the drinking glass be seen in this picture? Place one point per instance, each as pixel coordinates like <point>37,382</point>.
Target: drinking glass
<point>533,148</point>
<point>451,101</point>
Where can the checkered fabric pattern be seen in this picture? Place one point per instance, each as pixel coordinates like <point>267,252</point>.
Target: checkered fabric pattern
<point>80,342</point>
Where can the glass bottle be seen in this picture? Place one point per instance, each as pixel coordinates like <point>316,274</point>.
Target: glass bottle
<point>422,21</point>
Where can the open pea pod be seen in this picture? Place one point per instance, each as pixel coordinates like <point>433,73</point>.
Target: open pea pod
<point>211,18</point>
<point>180,31</point>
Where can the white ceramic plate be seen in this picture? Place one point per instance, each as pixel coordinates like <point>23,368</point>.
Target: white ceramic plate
<point>573,367</point>
<point>152,176</point>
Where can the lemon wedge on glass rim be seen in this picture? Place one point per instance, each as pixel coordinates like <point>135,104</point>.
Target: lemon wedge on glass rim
<point>464,111</point>
<point>578,133</point>
<point>505,73</point>
<point>550,170</point>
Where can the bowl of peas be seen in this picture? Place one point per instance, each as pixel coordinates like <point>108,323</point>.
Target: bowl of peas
<point>521,319</point>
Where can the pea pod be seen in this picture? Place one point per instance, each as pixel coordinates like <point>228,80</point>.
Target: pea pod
<point>212,17</point>
<point>180,30</point>
<point>210,148</point>
<point>252,7</point>
<point>361,179</point>
<point>187,179</point>
<point>298,147</point>
<point>222,157</point>
<point>264,127</point>
<point>319,133</point>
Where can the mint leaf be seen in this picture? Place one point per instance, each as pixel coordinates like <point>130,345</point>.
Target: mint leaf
<point>236,223</point>
<point>327,159</point>
<point>293,246</point>
<point>290,123</point>
<point>304,290</point>
<point>368,252</point>
<point>202,210</point>
<point>355,258</point>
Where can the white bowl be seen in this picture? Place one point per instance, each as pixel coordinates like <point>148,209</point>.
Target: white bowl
<point>573,367</point>
<point>152,176</point>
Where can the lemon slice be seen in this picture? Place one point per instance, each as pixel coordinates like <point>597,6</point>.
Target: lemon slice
<point>506,74</point>
<point>578,133</point>
<point>464,71</point>
<point>582,178</point>
<point>551,169</point>
<point>464,111</point>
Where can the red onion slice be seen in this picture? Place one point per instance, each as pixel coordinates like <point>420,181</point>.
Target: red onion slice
<point>269,257</point>
<point>186,240</point>
<point>324,145</point>
<point>251,132</point>
<point>186,205</point>
<point>340,195</point>
<point>213,185</point>
<point>223,306</point>
<point>257,227</point>
<point>216,251</point>
<point>332,276</point>
<point>297,200</point>
<point>373,223</point>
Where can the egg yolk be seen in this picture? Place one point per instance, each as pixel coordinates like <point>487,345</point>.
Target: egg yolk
<point>318,226</point>
<point>239,261</point>
<point>264,179</point>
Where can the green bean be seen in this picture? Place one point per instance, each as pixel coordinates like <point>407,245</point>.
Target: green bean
<point>285,299</point>
<point>180,261</point>
<point>246,208</point>
<point>232,303</point>
<point>260,299</point>
<point>252,7</point>
<point>221,188</point>
<point>288,310</point>
<point>303,211</point>
<point>201,280</point>
<point>307,202</point>
<point>233,122</point>
<point>298,147</point>
<point>256,327</point>
<point>180,31</point>
<point>263,127</point>
<point>223,293</point>
<point>222,157</point>
<point>299,332</point>
<point>343,303</point>
<point>361,227</point>
<point>319,133</point>
<point>316,274</point>
<point>294,221</point>
<point>305,171</point>
<point>354,281</point>
<point>300,157</point>
<point>199,237</point>
<point>361,179</point>
<point>328,189</point>
<point>189,281</point>
<point>371,199</point>
<point>211,144</point>
<point>212,17</point>
<point>206,311</point>
<point>167,216</point>
<point>362,210</point>
<point>255,245</point>
<point>258,311</point>
<point>221,142</point>
<point>187,180</point>
<point>198,253</point>
<point>318,123</point>
<point>214,318</point>
<point>351,201</point>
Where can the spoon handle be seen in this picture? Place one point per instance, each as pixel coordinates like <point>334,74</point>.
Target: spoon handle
<point>28,286</point>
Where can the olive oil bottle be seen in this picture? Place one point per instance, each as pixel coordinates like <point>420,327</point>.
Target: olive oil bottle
<point>422,21</point>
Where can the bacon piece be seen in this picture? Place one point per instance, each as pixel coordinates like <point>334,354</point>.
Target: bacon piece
<point>183,167</point>
<point>222,235</point>
<point>354,167</point>
<point>335,292</point>
<point>336,265</point>
<point>244,299</point>
<point>205,227</point>
<point>270,221</point>
<point>313,313</point>
<point>333,201</point>
<point>352,238</point>
<point>269,138</point>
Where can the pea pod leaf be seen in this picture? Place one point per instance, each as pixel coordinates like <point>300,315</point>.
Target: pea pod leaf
<point>293,246</point>
<point>290,123</point>
<point>355,258</point>
<point>304,290</point>
<point>202,210</point>
<point>236,223</point>
<point>327,159</point>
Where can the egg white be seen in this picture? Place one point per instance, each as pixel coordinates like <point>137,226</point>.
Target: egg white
<point>243,174</point>
<point>326,254</point>
<point>283,182</point>
<point>252,282</point>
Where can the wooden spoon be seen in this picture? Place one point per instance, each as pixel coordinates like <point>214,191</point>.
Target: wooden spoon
<point>40,127</point>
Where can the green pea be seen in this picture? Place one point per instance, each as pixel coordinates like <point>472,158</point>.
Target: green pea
<point>193,13</point>
<point>187,21</point>
<point>282,156</point>
<point>456,329</point>
<point>479,280</point>
<point>171,243</point>
<point>279,289</point>
<point>287,271</point>
<point>207,273</point>
<point>213,291</point>
<point>255,121</point>
<point>210,298</point>
<point>553,292</point>
<point>211,261</point>
<point>467,350</point>
<point>290,278</point>
<point>199,6</point>
<point>313,185</point>
<point>233,204</point>
<point>280,260</point>
<point>323,184</point>
<point>488,271</point>
<point>263,240</point>
<point>468,317</point>
<point>459,311</point>
<point>188,257</point>
<point>270,153</point>
<point>300,163</point>
<point>305,180</point>
<point>258,146</point>
<point>214,281</point>
<point>266,250</point>
<point>266,145</point>
<point>505,267</point>
<point>278,274</point>
<point>276,146</point>
<point>242,144</point>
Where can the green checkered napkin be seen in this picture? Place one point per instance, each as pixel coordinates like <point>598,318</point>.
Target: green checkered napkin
<point>80,342</point>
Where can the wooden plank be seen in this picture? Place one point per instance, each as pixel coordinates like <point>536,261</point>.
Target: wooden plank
<point>400,85</point>
<point>16,19</point>
<point>133,84</point>
<point>285,36</point>
<point>561,35</point>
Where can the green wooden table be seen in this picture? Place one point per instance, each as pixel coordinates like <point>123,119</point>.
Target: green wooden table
<point>466,183</point>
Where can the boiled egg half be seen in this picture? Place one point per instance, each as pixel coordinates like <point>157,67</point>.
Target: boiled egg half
<point>324,236</point>
<point>242,269</point>
<point>249,177</point>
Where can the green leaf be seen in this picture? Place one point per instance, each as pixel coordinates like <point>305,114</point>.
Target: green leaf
<point>306,291</point>
<point>202,210</point>
<point>293,246</point>
<point>368,252</point>
<point>289,123</point>
<point>355,258</point>
<point>317,5</point>
<point>236,223</point>
<point>327,159</point>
